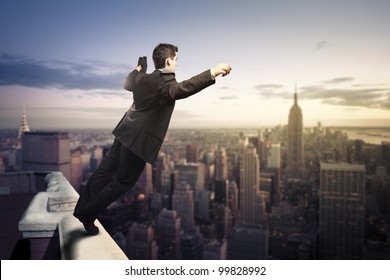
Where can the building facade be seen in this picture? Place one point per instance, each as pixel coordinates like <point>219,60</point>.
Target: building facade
<point>342,210</point>
<point>295,159</point>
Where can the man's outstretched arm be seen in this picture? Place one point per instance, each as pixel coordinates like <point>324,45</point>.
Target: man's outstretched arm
<point>184,89</point>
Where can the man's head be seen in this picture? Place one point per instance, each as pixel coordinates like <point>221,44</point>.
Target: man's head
<point>164,56</point>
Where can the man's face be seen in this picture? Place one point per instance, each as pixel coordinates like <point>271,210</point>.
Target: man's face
<point>171,64</point>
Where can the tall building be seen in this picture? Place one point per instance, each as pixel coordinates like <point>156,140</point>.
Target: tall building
<point>159,168</point>
<point>140,243</point>
<point>221,216</point>
<point>295,159</point>
<point>274,166</point>
<point>192,152</point>
<point>249,187</point>
<point>221,165</point>
<point>193,174</point>
<point>203,205</point>
<point>18,153</point>
<point>249,238</point>
<point>274,157</point>
<point>215,250</point>
<point>168,235</point>
<point>46,151</point>
<point>342,210</point>
<point>183,204</point>
<point>144,184</point>
<point>76,172</point>
<point>22,129</point>
<point>221,190</point>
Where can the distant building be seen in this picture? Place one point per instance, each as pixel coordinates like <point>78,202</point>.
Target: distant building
<point>215,250</point>
<point>222,222</point>
<point>192,245</point>
<point>192,152</point>
<point>46,151</point>
<point>342,210</point>
<point>248,242</point>
<point>140,243</point>
<point>16,192</point>
<point>193,174</point>
<point>274,157</point>
<point>221,165</point>
<point>221,190</point>
<point>249,187</point>
<point>295,159</point>
<point>183,204</point>
<point>22,129</point>
<point>168,231</point>
<point>249,238</point>
<point>76,173</point>
<point>203,205</point>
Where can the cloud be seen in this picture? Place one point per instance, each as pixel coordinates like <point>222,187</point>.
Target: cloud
<point>24,71</point>
<point>230,97</point>
<point>340,80</point>
<point>269,90</point>
<point>268,86</point>
<point>368,97</point>
<point>331,92</point>
<point>324,44</point>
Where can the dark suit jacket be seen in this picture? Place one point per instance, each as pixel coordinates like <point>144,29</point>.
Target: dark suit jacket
<point>142,129</point>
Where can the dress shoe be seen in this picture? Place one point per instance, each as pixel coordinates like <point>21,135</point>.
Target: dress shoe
<point>90,228</point>
<point>88,224</point>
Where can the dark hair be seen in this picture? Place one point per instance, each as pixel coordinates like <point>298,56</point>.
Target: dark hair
<point>161,52</point>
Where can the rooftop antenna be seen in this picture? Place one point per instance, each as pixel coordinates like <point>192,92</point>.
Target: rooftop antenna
<point>295,94</point>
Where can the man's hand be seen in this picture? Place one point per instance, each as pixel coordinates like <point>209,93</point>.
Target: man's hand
<point>142,61</point>
<point>142,64</point>
<point>222,68</point>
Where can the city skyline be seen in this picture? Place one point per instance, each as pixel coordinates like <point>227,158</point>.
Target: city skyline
<point>65,61</point>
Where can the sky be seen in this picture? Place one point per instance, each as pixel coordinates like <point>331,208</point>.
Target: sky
<point>65,61</point>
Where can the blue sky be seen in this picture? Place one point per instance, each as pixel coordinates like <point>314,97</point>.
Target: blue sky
<point>66,60</point>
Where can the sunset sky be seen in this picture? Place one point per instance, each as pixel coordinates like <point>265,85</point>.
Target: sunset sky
<point>65,61</point>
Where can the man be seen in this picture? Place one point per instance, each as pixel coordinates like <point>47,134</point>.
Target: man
<point>140,133</point>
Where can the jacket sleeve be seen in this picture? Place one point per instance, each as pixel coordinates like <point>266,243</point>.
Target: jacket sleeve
<point>131,80</point>
<point>184,89</point>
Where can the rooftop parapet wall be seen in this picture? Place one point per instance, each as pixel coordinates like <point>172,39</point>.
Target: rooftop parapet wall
<point>49,217</point>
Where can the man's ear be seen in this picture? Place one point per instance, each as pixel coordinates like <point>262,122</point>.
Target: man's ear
<point>167,62</point>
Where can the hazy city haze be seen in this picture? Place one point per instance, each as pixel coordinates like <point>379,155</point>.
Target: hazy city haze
<point>66,60</point>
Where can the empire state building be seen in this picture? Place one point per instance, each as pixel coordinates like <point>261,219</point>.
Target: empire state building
<point>295,162</point>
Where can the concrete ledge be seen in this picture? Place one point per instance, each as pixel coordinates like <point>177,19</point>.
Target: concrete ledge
<point>76,244</point>
<point>48,208</point>
<point>50,215</point>
<point>37,221</point>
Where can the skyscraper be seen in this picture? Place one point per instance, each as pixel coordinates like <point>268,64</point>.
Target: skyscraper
<point>22,129</point>
<point>140,243</point>
<point>274,165</point>
<point>46,151</point>
<point>192,151</point>
<point>249,239</point>
<point>221,165</point>
<point>193,174</point>
<point>341,217</point>
<point>168,235</point>
<point>249,186</point>
<point>183,204</point>
<point>295,160</point>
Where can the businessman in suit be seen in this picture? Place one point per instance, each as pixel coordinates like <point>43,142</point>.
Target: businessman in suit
<point>140,133</point>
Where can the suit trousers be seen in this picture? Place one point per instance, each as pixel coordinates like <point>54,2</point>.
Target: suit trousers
<point>117,173</point>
